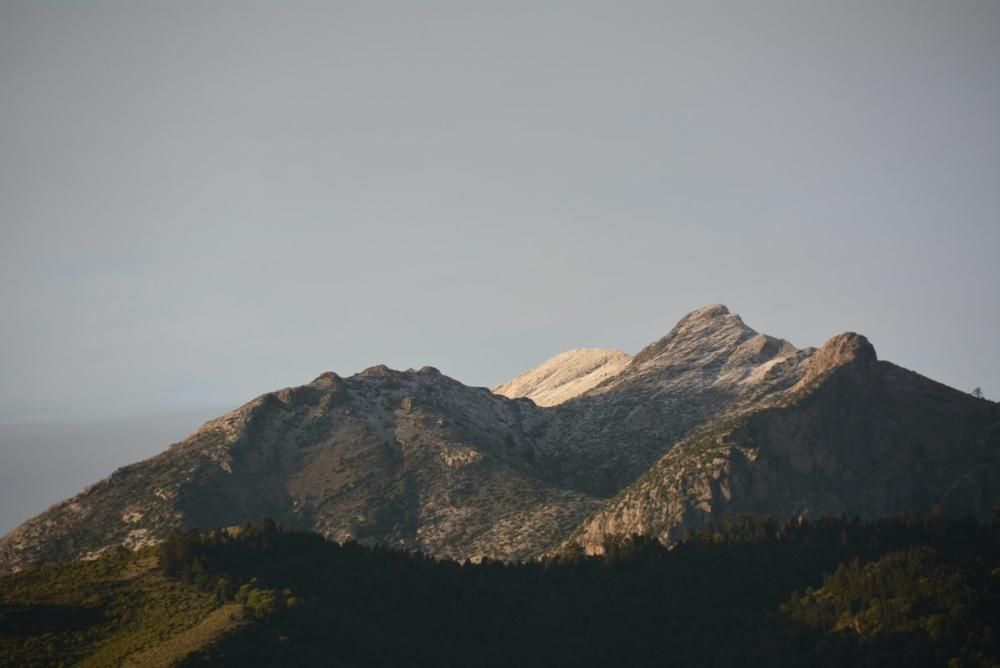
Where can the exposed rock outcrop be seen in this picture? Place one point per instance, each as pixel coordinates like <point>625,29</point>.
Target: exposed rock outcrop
<point>565,376</point>
<point>854,436</point>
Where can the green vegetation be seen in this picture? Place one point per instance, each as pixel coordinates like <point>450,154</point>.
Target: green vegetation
<point>836,592</point>
<point>99,613</point>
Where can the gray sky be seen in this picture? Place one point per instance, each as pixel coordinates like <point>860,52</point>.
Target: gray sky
<point>200,202</point>
<point>43,463</point>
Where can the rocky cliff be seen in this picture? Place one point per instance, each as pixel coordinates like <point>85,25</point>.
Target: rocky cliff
<point>853,436</point>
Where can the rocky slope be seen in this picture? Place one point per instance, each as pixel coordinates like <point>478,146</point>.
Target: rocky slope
<point>853,436</point>
<point>411,459</point>
<point>712,419</point>
<point>565,376</point>
<point>710,363</point>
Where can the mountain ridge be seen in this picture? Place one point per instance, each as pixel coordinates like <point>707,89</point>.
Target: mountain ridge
<point>565,376</point>
<point>712,419</point>
<point>780,460</point>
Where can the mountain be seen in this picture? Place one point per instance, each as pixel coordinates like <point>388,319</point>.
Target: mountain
<point>853,436</point>
<point>709,364</point>
<point>412,459</point>
<point>565,376</point>
<point>711,420</point>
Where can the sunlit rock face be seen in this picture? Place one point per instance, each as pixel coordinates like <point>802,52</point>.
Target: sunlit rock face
<point>712,419</point>
<point>566,376</point>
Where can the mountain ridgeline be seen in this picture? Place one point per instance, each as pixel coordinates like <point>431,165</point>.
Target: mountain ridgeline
<point>711,421</point>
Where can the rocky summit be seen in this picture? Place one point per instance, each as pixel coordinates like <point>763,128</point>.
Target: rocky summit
<point>713,419</point>
<point>565,376</point>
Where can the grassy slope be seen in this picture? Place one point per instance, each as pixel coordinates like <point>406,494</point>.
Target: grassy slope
<point>116,610</point>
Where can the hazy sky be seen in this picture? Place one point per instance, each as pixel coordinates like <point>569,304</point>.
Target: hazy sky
<point>200,202</point>
<point>43,463</point>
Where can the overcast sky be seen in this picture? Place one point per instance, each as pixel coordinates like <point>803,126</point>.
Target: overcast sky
<point>200,202</point>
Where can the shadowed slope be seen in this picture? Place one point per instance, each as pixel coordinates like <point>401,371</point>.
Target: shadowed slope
<point>412,459</point>
<point>853,436</point>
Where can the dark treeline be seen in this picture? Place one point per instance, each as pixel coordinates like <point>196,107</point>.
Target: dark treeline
<point>835,592</point>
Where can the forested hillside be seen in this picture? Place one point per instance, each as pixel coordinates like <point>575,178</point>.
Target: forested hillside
<point>897,592</point>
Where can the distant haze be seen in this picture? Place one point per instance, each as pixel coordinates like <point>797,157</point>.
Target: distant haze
<point>41,464</point>
<point>200,202</point>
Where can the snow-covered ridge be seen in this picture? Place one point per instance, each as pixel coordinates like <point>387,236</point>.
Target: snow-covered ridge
<point>566,375</point>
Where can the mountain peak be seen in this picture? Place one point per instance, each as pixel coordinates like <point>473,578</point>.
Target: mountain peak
<point>848,348</point>
<point>377,371</point>
<point>709,327</point>
<point>708,320</point>
<point>709,311</point>
<point>565,376</point>
<point>713,317</point>
<point>844,348</point>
